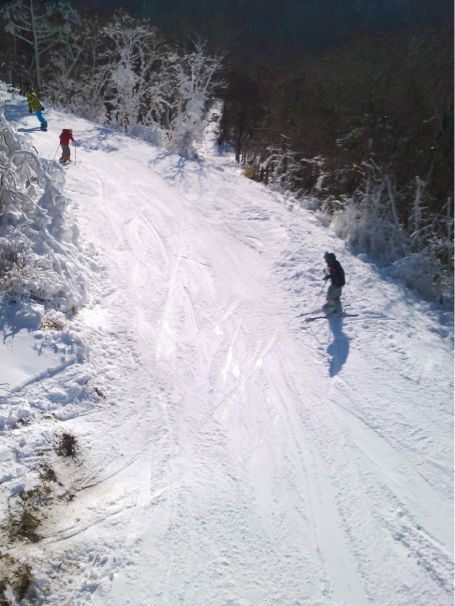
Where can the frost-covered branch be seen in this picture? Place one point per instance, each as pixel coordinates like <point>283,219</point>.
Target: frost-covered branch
<point>39,25</point>
<point>192,86</point>
<point>132,71</point>
<point>420,254</point>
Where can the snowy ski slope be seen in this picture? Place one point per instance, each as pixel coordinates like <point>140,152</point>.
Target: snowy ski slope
<point>236,455</point>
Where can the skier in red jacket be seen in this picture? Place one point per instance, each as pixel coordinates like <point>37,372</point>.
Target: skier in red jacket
<point>65,137</point>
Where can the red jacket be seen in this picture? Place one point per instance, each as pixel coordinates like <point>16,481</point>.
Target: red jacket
<point>66,136</point>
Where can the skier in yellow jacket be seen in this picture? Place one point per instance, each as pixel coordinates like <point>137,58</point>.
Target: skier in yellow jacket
<point>35,106</point>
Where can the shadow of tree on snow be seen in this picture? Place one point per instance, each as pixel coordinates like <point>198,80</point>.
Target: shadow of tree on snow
<point>173,167</point>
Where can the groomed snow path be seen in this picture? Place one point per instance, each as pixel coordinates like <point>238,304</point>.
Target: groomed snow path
<point>241,456</point>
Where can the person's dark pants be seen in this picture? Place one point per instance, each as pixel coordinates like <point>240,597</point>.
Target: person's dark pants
<point>66,154</point>
<point>333,303</point>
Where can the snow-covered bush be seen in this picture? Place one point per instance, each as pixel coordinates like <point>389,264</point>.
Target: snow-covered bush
<point>369,222</point>
<point>420,255</point>
<point>38,253</point>
<point>281,169</point>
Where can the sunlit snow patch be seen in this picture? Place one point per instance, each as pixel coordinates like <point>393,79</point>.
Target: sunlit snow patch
<point>94,317</point>
<point>24,359</point>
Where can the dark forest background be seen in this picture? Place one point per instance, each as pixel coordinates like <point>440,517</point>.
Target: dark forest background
<point>278,28</point>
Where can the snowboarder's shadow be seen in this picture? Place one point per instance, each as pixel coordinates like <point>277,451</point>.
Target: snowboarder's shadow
<point>338,350</point>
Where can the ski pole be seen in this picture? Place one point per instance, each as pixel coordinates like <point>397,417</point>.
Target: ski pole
<point>315,300</point>
<point>55,152</point>
<point>75,154</point>
<point>318,296</point>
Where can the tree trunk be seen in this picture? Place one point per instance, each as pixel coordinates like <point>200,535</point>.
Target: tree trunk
<point>35,48</point>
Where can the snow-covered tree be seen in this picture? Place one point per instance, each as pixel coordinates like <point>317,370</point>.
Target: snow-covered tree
<point>38,25</point>
<point>192,86</point>
<point>77,77</point>
<point>134,82</point>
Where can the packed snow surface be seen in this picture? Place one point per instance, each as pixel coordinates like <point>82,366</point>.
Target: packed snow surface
<point>230,453</point>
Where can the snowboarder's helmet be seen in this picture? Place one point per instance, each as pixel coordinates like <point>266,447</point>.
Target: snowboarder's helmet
<point>329,257</point>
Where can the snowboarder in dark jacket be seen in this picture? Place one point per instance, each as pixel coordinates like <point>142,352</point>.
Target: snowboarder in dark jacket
<point>335,274</point>
<point>35,106</point>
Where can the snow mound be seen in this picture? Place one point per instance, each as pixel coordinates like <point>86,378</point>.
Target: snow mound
<point>39,254</point>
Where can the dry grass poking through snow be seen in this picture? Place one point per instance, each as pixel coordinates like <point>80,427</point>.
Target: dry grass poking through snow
<point>26,514</point>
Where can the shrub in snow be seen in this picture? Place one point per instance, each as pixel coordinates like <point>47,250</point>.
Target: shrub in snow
<point>420,256</point>
<point>369,222</point>
<point>39,257</point>
<point>67,445</point>
<point>25,518</point>
<point>16,581</point>
<point>281,169</point>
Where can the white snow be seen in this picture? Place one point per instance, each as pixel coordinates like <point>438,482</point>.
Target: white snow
<point>23,358</point>
<point>231,454</point>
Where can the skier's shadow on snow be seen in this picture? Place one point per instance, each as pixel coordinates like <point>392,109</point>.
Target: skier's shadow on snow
<point>14,113</point>
<point>338,350</point>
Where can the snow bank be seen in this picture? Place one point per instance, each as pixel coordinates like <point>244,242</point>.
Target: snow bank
<point>42,278</point>
<point>39,255</point>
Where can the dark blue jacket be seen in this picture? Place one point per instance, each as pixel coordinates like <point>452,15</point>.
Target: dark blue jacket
<point>336,274</point>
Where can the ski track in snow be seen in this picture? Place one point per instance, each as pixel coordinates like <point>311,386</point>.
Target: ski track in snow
<point>240,456</point>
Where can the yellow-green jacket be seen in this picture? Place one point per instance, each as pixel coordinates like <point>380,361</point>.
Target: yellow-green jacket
<point>34,104</point>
